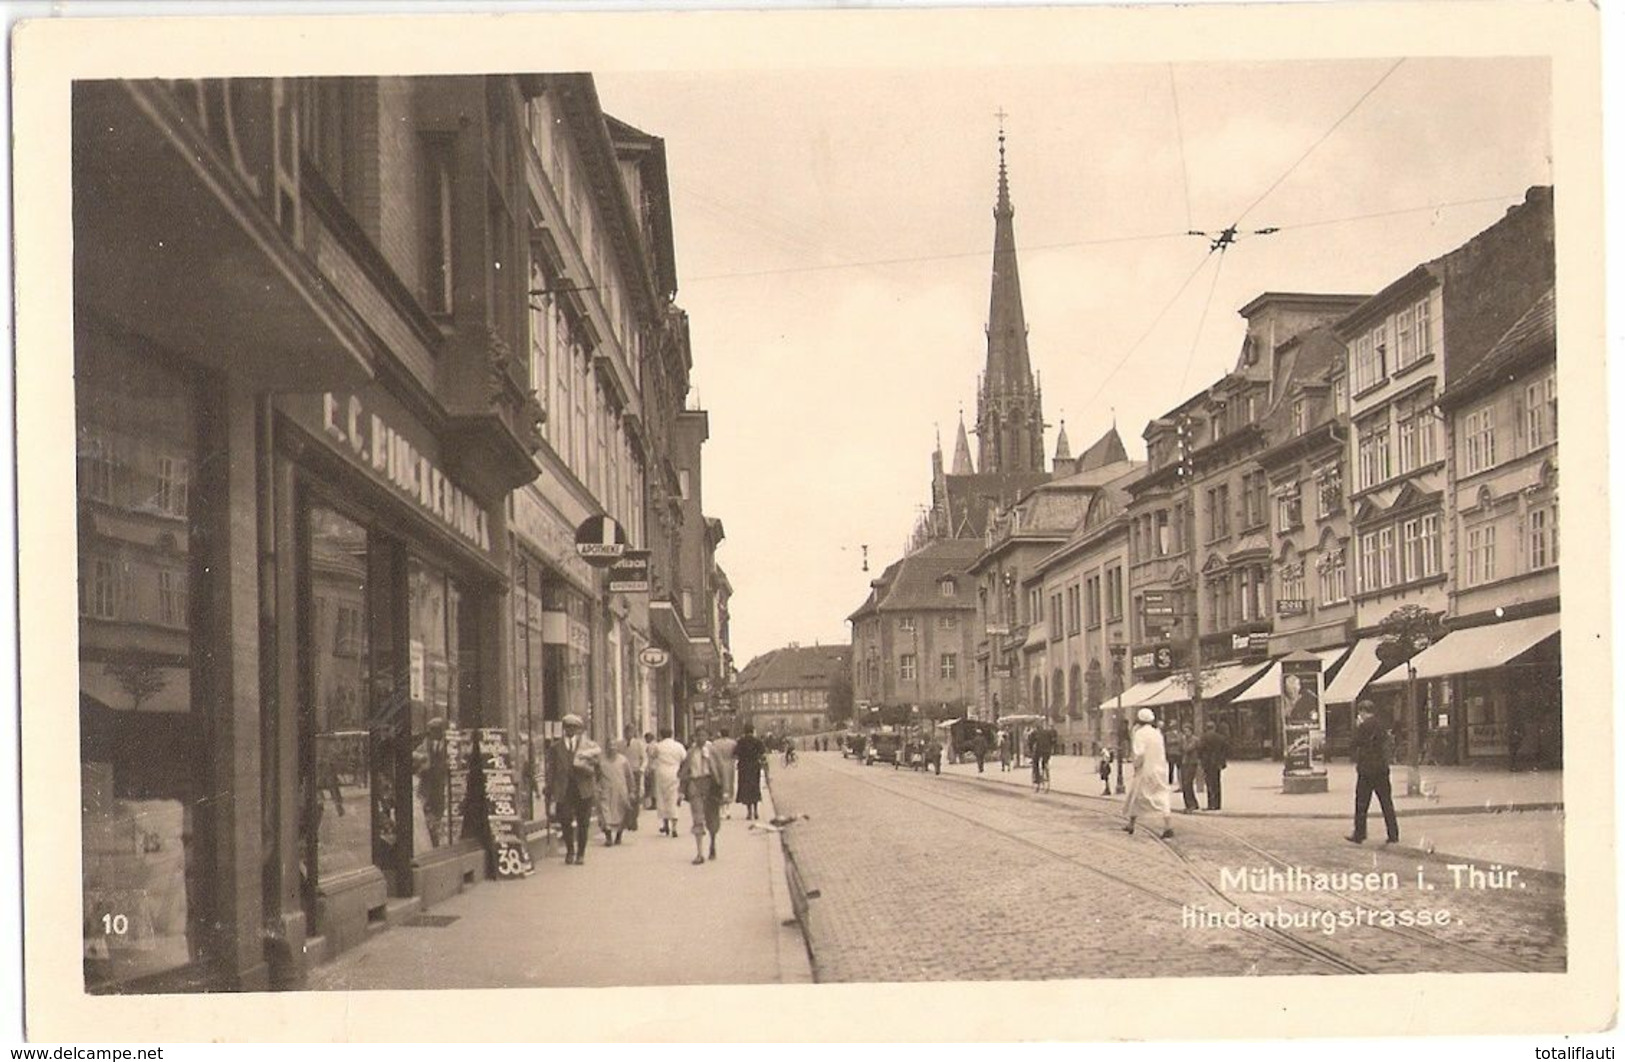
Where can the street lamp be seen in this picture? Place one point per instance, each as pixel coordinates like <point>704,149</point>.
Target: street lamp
<point>1118,650</point>
<point>1407,631</point>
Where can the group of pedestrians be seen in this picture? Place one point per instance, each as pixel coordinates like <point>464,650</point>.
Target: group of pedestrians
<point>1159,760</point>
<point>616,781</point>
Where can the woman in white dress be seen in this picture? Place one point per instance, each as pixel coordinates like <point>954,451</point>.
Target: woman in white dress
<point>667,757</point>
<point>1150,792</point>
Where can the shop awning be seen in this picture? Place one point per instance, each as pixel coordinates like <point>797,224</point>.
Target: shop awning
<point>1215,684</point>
<point>1478,648</point>
<point>1135,695</point>
<point>1357,670</point>
<point>1268,685</point>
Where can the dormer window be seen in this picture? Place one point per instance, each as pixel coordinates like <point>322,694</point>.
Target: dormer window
<point>948,588</point>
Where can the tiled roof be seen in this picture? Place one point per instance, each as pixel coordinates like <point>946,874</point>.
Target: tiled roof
<point>1106,450</point>
<point>796,667</point>
<point>1529,335</point>
<point>970,496</point>
<point>913,583</point>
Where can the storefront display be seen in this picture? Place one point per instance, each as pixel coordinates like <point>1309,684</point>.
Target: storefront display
<point>145,823</point>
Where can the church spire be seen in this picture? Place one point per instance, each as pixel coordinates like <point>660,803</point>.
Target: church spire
<point>962,464</point>
<point>1009,420</point>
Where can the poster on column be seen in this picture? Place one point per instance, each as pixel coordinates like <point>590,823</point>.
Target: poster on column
<point>1302,717</point>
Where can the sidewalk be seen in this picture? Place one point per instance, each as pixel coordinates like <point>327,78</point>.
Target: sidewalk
<point>636,914</point>
<point>1475,813</point>
<point>1252,788</point>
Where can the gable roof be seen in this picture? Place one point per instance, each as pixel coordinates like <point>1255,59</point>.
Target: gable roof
<point>1106,450</point>
<point>795,667</point>
<point>912,584</point>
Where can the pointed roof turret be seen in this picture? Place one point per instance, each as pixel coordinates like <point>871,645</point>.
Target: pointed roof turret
<point>962,462</point>
<point>1063,448</point>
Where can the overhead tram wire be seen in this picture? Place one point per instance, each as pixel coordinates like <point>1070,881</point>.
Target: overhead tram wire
<point>1201,322</point>
<point>1069,244</point>
<point>1322,139</point>
<point>1152,327</point>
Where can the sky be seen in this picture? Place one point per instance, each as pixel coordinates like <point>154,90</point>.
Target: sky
<point>834,233</point>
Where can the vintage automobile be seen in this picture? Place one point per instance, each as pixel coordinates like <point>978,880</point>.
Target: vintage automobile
<point>885,748</point>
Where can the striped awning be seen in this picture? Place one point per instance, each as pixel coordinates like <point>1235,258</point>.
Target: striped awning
<point>1268,684</point>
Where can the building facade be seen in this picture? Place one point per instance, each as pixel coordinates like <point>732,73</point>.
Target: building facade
<point>913,638</point>
<point>327,537</point>
<point>1407,345</point>
<point>793,690</point>
<point>1500,678</point>
<point>1089,574</point>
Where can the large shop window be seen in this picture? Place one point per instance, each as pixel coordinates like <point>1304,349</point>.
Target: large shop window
<point>143,758</point>
<point>443,667</point>
<point>349,792</point>
<point>390,706</point>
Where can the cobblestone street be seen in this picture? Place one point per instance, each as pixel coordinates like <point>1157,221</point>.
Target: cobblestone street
<point>925,878</point>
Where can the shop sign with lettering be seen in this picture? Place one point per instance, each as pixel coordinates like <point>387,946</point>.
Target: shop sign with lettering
<point>1291,606</point>
<point>550,535</point>
<point>378,437</point>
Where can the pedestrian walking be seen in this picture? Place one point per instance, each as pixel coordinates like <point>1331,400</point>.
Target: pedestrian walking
<point>634,752</point>
<point>1004,750</point>
<point>1373,749</point>
<point>617,782</point>
<point>933,752</point>
<point>749,755</point>
<point>1149,794</point>
<point>1105,772</point>
<point>649,771</point>
<point>978,747</point>
<point>724,746</point>
<point>667,759</point>
<point>1189,764</point>
<point>1041,745</point>
<point>571,787</point>
<point>1175,740</point>
<point>1213,750</point>
<point>702,781</point>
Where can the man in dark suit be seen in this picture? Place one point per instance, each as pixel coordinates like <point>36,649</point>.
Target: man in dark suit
<point>571,787</point>
<point>1214,752</point>
<point>1372,751</point>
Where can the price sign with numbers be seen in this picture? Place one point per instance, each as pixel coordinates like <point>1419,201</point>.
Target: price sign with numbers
<point>503,838</point>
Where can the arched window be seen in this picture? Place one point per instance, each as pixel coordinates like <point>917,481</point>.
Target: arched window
<point>1038,693</point>
<point>1057,690</point>
<point>1074,694</point>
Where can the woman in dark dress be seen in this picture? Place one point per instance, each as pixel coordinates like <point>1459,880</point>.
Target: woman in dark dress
<point>750,752</point>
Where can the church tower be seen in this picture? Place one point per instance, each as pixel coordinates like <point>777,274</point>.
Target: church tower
<point>1009,406</point>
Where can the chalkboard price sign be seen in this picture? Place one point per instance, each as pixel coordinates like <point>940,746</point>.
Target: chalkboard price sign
<point>503,838</point>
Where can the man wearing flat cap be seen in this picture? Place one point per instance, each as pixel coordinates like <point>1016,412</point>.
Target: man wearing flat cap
<point>571,788</point>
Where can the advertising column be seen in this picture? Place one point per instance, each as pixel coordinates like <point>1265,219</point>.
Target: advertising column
<point>1303,768</point>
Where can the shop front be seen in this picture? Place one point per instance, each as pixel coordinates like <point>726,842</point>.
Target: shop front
<point>190,304</point>
<point>553,643</point>
<point>1490,693</point>
<point>396,579</point>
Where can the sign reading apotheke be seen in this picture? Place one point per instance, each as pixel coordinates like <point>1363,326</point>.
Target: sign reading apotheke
<point>384,448</point>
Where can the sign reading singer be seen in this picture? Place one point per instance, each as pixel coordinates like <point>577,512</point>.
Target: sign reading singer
<point>600,541</point>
